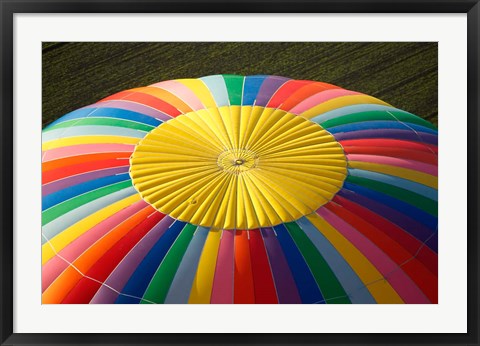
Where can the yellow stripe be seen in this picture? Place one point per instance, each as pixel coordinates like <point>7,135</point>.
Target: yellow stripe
<point>339,102</point>
<point>65,142</point>
<point>200,90</point>
<point>419,177</point>
<point>203,282</point>
<point>199,127</point>
<point>213,121</point>
<point>73,232</point>
<point>370,276</point>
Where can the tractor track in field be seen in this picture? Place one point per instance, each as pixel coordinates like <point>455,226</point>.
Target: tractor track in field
<point>75,74</point>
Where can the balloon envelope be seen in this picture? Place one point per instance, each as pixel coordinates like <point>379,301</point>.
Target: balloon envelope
<point>239,189</point>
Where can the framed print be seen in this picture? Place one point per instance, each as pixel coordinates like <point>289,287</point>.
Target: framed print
<point>242,172</point>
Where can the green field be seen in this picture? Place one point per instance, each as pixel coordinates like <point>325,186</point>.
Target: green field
<point>80,73</point>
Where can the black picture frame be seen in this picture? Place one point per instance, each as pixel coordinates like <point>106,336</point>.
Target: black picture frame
<point>10,7</point>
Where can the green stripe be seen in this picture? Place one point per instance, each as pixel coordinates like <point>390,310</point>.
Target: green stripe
<point>419,201</point>
<point>328,283</point>
<point>376,115</point>
<point>235,88</point>
<point>158,288</point>
<point>58,210</point>
<point>102,121</point>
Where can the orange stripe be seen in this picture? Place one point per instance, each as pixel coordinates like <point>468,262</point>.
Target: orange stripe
<point>63,172</point>
<point>66,281</point>
<point>167,97</point>
<point>161,94</point>
<point>72,160</point>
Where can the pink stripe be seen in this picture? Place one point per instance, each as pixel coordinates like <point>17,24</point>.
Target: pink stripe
<point>222,290</point>
<point>320,97</point>
<point>397,278</point>
<point>182,92</point>
<point>56,265</point>
<point>392,161</point>
<point>82,149</point>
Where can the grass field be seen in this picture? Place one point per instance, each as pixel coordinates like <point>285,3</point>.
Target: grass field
<point>77,74</point>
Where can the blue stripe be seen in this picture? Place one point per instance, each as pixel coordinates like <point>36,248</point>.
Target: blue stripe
<point>306,284</point>
<point>107,113</point>
<point>250,89</point>
<point>79,113</point>
<point>66,220</point>
<point>369,125</point>
<point>407,135</point>
<point>179,291</point>
<point>405,184</point>
<point>218,89</point>
<point>92,130</point>
<point>138,282</point>
<point>76,190</point>
<point>351,283</point>
<point>402,207</point>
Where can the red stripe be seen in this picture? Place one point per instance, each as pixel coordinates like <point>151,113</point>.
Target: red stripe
<point>423,278</point>
<point>265,292</point>
<point>86,288</point>
<point>243,289</point>
<point>392,143</point>
<point>284,92</point>
<point>427,257</point>
<point>64,172</point>
<point>71,160</point>
<point>147,100</point>
<point>117,96</point>
<point>404,153</point>
<point>303,93</point>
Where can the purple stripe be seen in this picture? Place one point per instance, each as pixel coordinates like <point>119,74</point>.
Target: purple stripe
<point>285,285</point>
<point>122,273</point>
<point>268,88</point>
<point>57,185</point>
<point>388,134</point>
<point>432,243</point>
<point>134,107</point>
<point>416,229</point>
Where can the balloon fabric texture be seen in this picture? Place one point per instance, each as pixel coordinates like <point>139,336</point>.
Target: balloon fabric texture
<point>232,189</point>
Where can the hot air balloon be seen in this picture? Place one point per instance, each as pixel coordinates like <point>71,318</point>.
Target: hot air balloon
<point>239,190</point>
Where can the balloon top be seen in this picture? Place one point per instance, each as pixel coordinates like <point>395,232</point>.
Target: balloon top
<point>245,167</point>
